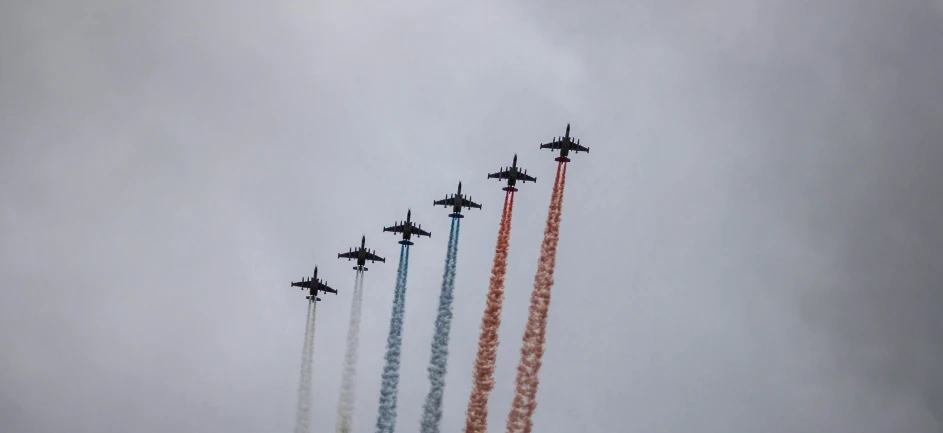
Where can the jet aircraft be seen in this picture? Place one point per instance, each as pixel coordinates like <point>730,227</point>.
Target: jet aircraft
<point>457,201</point>
<point>362,254</point>
<point>407,228</point>
<point>314,285</point>
<point>512,174</point>
<point>565,144</point>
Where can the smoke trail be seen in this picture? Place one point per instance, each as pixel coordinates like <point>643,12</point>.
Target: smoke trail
<point>438,362</point>
<point>386,418</point>
<point>525,402</point>
<point>345,406</point>
<point>476,415</point>
<point>304,387</point>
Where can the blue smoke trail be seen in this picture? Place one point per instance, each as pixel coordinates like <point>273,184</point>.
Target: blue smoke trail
<point>386,418</point>
<point>438,362</point>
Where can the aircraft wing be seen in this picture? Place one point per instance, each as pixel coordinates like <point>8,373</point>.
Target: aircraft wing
<point>470,204</point>
<point>553,145</point>
<point>500,175</point>
<point>374,257</point>
<point>524,177</point>
<point>398,228</point>
<point>305,284</point>
<point>577,148</point>
<point>347,255</point>
<point>420,232</point>
<point>325,288</point>
<point>445,202</point>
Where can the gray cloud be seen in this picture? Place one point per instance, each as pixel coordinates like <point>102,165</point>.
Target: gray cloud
<point>752,242</point>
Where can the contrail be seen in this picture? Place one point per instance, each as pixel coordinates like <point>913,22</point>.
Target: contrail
<point>304,387</point>
<point>345,406</point>
<point>525,402</point>
<point>476,415</point>
<point>386,418</point>
<point>438,363</point>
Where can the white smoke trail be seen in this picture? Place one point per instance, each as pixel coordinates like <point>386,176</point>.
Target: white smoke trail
<point>304,387</point>
<point>345,407</point>
<point>438,363</point>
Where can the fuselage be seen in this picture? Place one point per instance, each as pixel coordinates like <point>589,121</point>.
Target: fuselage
<point>565,148</point>
<point>512,177</point>
<point>362,252</point>
<point>566,144</point>
<point>459,201</point>
<point>408,226</point>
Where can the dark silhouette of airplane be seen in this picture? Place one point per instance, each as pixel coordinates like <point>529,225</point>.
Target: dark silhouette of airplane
<point>407,228</point>
<point>314,285</point>
<point>362,254</point>
<point>457,201</point>
<point>565,144</point>
<point>512,174</point>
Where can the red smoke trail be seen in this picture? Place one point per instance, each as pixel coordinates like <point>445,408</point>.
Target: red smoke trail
<point>476,415</point>
<point>532,350</point>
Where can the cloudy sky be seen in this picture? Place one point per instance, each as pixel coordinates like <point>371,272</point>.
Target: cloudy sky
<point>754,242</point>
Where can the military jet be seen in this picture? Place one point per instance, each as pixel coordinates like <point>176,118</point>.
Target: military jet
<point>362,254</point>
<point>407,228</point>
<point>314,285</point>
<point>565,144</point>
<point>457,201</point>
<point>512,174</point>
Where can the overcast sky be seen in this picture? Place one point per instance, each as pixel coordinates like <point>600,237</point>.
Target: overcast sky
<point>753,244</point>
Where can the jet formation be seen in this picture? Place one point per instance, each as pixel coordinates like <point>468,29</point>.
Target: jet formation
<point>314,285</point>
<point>511,174</point>
<point>565,144</point>
<point>457,201</point>
<point>408,229</point>
<point>362,254</point>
